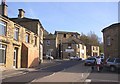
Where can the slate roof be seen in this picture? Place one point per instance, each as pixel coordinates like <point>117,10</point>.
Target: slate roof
<point>111,26</point>
<point>65,32</point>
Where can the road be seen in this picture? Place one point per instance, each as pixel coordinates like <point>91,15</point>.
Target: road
<point>40,73</point>
<point>104,77</point>
<point>68,72</point>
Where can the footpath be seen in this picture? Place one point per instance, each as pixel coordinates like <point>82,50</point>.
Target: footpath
<point>13,72</point>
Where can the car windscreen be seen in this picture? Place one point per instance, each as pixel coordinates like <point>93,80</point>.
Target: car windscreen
<point>117,60</point>
<point>91,59</point>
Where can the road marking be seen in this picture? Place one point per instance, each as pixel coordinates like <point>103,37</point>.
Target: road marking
<point>82,75</point>
<point>99,80</point>
<point>88,80</point>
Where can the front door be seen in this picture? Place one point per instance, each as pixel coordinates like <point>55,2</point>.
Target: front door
<point>15,58</point>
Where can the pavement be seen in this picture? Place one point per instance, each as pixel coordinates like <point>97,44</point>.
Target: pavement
<point>21,71</point>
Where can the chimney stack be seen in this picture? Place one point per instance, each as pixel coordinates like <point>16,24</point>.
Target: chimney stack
<point>21,13</point>
<point>3,8</point>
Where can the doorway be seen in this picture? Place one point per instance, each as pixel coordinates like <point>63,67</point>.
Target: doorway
<point>15,58</point>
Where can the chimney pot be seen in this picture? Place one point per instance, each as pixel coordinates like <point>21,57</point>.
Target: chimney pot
<point>21,13</point>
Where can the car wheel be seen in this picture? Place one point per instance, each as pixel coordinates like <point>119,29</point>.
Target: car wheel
<point>112,68</point>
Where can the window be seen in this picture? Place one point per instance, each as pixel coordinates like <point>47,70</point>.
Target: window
<point>93,48</point>
<point>83,47</point>
<point>64,35</point>
<point>16,32</point>
<point>108,41</point>
<point>69,44</point>
<point>27,38</point>
<point>48,42</point>
<point>75,36</point>
<point>111,60</point>
<point>78,46</point>
<point>2,54</point>
<point>35,40</point>
<point>96,48</point>
<point>118,60</point>
<point>2,28</point>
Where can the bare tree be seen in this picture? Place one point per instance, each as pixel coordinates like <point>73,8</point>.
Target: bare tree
<point>92,39</point>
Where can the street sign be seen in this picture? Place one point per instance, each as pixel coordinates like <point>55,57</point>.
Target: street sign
<point>69,50</point>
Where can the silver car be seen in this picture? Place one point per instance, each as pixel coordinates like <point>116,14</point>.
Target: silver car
<point>113,64</point>
<point>90,61</point>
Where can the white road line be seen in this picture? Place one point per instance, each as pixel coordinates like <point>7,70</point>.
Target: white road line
<point>88,80</point>
<point>82,75</point>
<point>99,80</point>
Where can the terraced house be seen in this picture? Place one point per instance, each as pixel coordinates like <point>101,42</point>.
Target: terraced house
<point>21,40</point>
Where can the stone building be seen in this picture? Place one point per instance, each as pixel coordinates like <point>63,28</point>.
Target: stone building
<point>50,46</point>
<point>33,25</point>
<point>111,37</point>
<point>73,47</point>
<point>92,50</point>
<point>19,44</point>
<point>64,40</point>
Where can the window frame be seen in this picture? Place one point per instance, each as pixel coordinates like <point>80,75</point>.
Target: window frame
<point>27,38</point>
<point>16,34</point>
<point>3,47</point>
<point>3,25</point>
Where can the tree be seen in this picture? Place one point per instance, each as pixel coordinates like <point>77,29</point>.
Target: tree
<point>92,39</point>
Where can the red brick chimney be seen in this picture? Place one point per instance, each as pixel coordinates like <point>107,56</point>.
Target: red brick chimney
<point>21,13</point>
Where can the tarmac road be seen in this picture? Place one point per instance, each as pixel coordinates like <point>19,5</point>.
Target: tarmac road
<point>40,73</point>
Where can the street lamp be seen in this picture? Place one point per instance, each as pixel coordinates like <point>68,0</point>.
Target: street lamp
<point>61,48</point>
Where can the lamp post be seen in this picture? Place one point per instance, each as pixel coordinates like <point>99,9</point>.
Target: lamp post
<point>61,48</point>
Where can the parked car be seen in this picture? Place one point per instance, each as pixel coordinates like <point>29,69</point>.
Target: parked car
<point>49,57</point>
<point>113,64</point>
<point>75,58</point>
<point>90,61</point>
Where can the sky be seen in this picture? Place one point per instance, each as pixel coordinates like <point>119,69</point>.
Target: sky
<point>81,17</point>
